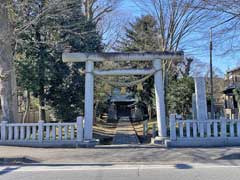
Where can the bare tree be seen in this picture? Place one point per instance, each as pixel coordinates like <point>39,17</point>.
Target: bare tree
<point>108,18</point>
<point>226,33</point>
<point>176,19</point>
<point>231,7</point>
<point>97,9</point>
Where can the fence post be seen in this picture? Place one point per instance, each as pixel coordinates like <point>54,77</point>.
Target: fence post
<point>3,130</point>
<point>80,128</point>
<point>223,127</point>
<point>238,129</point>
<point>40,130</point>
<point>172,127</point>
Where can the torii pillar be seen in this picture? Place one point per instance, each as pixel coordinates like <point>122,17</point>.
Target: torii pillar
<point>159,96</point>
<point>89,100</point>
<point>154,57</point>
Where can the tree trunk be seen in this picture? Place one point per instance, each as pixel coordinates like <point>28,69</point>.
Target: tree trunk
<point>7,72</point>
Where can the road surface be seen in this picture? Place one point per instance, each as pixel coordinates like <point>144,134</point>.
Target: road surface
<point>120,172</point>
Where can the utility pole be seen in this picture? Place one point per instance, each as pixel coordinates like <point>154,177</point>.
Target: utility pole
<point>211,62</point>
<point>211,74</point>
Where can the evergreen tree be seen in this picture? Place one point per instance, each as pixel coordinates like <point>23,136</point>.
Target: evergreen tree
<point>66,91</point>
<point>33,49</point>
<point>40,67</point>
<point>140,36</point>
<point>179,95</point>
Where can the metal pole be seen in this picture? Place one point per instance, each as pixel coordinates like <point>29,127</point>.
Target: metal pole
<point>211,75</point>
<point>211,66</point>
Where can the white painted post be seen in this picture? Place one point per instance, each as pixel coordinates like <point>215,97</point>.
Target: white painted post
<point>59,132</point>
<point>54,132</point>
<point>3,130</point>
<point>47,132</point>
<point>173,127</point>
<point>28,133</point>
<point>223,127</point>
<point>10,132</point>
<point>194,129</point>
<point>180,126</point>
<point>215,129</point>
<point>80,128</point>
<point>72,132</point>
<point>89,95</point>
<point>16,133</point>
<point>40,131</point>
<point>209,129</point>
<point>232,128</point>
<point>22,132</point>
<point>159,93</point>
<point>188,129</point>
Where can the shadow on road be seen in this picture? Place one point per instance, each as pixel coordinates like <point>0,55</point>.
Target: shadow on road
<point>183,166</point>
<point>233,156</point>
<point>17,160</point>
<point>8,170</point>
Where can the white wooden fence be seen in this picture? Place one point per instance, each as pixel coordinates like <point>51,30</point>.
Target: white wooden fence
<point>222,132</point>
<point>41,133</point>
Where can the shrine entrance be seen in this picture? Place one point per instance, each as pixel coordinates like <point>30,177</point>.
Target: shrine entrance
<point>123,109</point>
<point>90,72</point>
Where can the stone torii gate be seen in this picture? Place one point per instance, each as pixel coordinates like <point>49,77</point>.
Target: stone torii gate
<point>154,57</point>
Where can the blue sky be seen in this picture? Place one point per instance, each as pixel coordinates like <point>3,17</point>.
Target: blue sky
<point>201,51</point>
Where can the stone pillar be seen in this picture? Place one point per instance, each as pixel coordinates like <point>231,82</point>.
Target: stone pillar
<point>3,130</point>
<point>201,99</point>
<point>80,128</point>
<point>89,93</point>
<point>194,108</point>
<point>160,105</point>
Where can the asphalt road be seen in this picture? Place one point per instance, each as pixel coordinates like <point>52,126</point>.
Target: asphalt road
<point>123,172</point>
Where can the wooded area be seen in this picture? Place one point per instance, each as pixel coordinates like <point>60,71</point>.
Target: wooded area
<point>34,34</point>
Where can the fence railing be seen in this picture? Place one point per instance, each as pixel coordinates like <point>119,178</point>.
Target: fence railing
<point>41,132</point>
<point>208,129</point>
